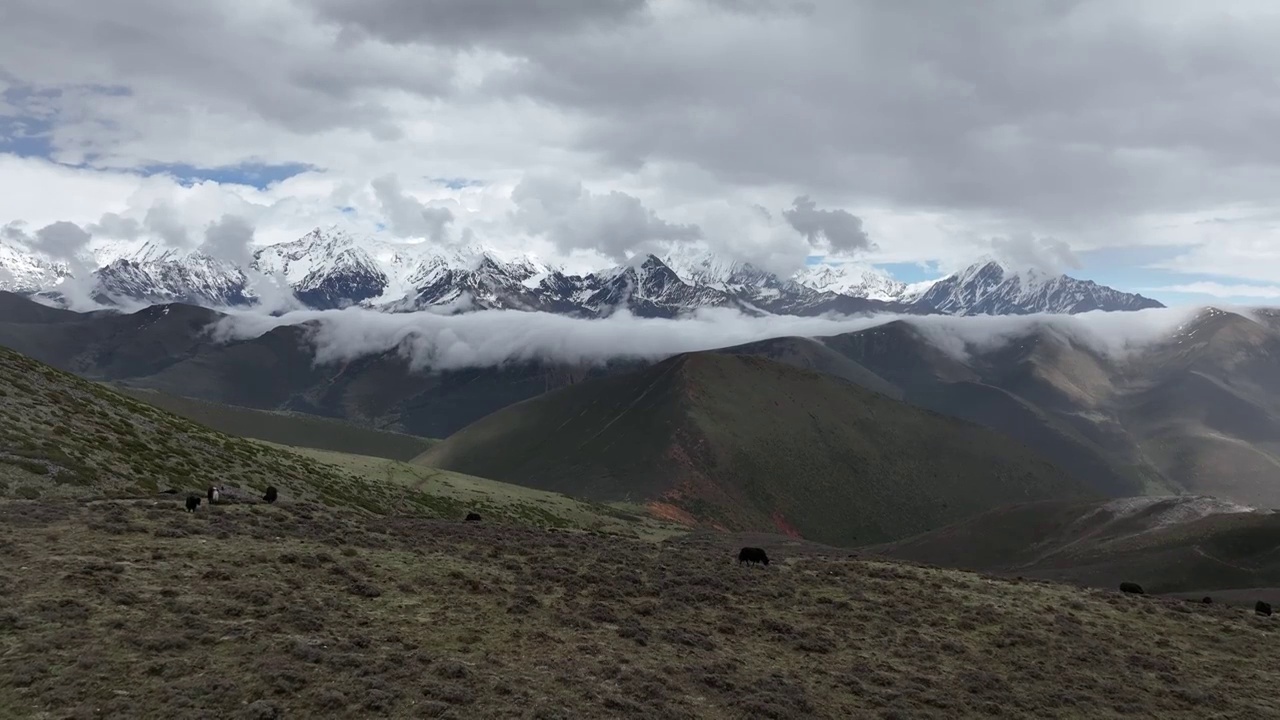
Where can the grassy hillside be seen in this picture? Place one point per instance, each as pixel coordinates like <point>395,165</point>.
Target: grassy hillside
<point>121,609</point>
<point>61,436</point>
<point>1164,544</point>
<point>811,354</point>
<point>287,428</point>
<point>745,443</point>
<point>496,501</point>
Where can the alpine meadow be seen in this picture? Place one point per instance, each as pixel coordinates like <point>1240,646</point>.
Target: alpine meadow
<point>652,359</point>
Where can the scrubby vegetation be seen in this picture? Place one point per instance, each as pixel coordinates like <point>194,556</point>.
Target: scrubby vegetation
<point>62,436</point>
<point>136,609</point>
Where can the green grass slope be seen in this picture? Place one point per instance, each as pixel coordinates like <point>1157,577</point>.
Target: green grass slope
<point>811,354</point>
<point>744,443</point>
<point>287,428</point>
<point>1171,544</point>
<point>455,494</point>
<point>62,436</point>
<point>125,610</point>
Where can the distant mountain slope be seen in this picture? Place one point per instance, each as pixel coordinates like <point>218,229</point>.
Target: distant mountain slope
<point>1166,544</point>
<point>1198,412</point>
<point>1195,412</point>
<point>308,431</point>
<point>746,443</point>
<point>810,354</point>
<point>330,268</point>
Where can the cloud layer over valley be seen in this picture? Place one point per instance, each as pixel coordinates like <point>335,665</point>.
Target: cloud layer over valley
<point>439,341</point>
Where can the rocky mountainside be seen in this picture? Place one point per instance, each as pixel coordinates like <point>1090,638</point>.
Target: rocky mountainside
<point>330,268</point>
<point>991,288</point>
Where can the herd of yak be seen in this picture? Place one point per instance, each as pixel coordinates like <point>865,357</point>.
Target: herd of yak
<point>1260,607</point>
<point>750,555</point>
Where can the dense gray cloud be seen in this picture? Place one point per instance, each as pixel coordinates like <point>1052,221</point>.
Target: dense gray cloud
<point>114,225</point>
<point>1032,109</point>
<point>163,221</point>
<point>14,231</point>
<point>407,216</point>
<point>230,239</point>
<point>616,224</point>
<point>1045,254</point>
<point>62,240</point>
<point>841,229</point>
<point>178,60</point>
<point>475,22</point>
<point>68,243</point>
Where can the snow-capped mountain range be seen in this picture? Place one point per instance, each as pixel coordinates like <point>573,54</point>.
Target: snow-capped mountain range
<point>329,268</point>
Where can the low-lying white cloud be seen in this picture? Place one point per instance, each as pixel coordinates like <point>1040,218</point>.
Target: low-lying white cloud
<point>443,341</point>
<point>1113,334</point>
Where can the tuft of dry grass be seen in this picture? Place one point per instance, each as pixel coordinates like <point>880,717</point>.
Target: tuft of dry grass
<point>134,609</point>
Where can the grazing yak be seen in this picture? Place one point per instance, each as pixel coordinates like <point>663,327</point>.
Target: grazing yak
<point>271,494</point>
<point>214,494</point>
<point>473,517</point>
<point>193,502</point>
<point>1262,608</point>
<point>752,555</point>
<point>1128,587</point>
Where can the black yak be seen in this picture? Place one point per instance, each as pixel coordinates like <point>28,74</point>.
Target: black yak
<point>1206,600</point>
<point>752,555</point>
<point>271,494</point>
<point>1128,587</point>
<point>1262,608</point>
<point>473,517</point>
<point>193,502</point>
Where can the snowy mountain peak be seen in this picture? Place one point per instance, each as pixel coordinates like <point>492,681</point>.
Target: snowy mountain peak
<point>992,288</point>
<point>851,279</point>
<point>331,267</point>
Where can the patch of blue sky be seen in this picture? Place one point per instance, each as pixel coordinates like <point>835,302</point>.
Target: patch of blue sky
<point>457,183</point>
<point>25,137</point>
<point>911,272</point>
<point>1130,269</point>
<point>28,115</point>
<point>258,175</point>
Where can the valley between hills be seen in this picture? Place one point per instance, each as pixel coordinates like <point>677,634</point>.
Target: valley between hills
<point>947,528</point>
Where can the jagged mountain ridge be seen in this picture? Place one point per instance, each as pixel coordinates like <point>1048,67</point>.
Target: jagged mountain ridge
<point>990,288</point>
<point>329,268</point>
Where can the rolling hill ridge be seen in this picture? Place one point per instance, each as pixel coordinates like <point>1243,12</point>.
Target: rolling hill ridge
<point>745,443</point>
<point>1166,544</point>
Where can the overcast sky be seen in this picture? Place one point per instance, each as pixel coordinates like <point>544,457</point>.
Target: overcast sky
<point>1131,141</point>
